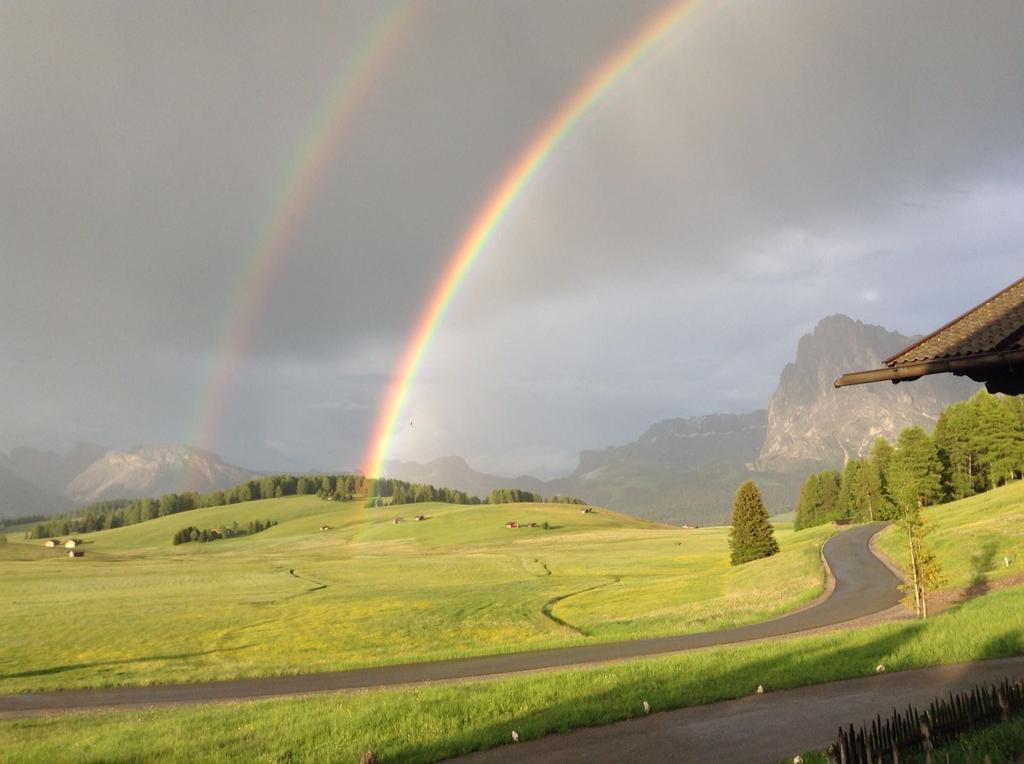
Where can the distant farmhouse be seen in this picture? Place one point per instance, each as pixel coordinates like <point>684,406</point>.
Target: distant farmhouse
<point>76,553</point>
<point>72,543</point>
<point>51,543</point>
<point>986,344</point>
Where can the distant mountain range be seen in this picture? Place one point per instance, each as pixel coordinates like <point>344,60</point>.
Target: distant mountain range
<point>153,470</point>
<point>686,470</point>
<point>678,470</point>
<point>20,497</point>
<point>44,482</point>
<point>455,472</point>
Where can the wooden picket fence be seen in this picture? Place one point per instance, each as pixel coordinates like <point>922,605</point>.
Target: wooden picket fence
<point>913,733</point>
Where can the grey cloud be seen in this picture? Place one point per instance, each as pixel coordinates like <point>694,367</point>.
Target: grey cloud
<point>755,174</point>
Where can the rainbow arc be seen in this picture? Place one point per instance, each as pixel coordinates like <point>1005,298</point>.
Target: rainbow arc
<point>489,217</point>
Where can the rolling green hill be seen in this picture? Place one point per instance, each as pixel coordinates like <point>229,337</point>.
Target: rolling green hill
<point>295,599</point>
<point>972,536</point>
<point>428,723</point>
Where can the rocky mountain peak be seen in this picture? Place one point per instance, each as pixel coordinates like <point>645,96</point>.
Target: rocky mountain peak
<point>810,421</point>
<point>153,469</point>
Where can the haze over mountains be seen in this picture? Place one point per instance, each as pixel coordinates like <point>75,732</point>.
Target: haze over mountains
<point>678,470</point>
<point>43,482</point>
<point>686,470</point>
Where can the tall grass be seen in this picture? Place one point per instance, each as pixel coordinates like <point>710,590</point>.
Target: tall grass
<point>428,723</point>
<point>294,599</point>
<point>973,536</point>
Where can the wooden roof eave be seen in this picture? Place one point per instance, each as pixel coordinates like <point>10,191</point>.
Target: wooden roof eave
<point>911,371</point>
<point>948,324</point>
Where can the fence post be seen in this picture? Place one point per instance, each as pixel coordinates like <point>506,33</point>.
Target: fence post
<point>926,744</point>
<point>1004,707</point>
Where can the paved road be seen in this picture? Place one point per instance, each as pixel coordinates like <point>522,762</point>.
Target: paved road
<point>758,728</point>
<point>863,586</point>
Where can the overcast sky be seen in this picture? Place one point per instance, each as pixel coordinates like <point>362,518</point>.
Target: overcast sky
<point>771,163</point>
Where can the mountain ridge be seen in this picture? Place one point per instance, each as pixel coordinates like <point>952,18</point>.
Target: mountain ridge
<point>686,469</point>
<point>154,469</point>
<point>681,469</point>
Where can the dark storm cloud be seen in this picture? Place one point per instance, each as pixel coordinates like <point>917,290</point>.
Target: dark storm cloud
<point>769,165</point>
<point>148,145</point>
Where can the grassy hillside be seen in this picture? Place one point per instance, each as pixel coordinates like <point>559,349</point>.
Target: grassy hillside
<point>972,536</point>
<point>295,599</point>
<point>433,722</point>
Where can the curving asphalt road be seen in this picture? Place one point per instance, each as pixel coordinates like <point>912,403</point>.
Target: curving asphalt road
<point>863,586</point>
<point>774,727</point>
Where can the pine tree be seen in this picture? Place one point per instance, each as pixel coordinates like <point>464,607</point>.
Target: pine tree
<point>751,536</point>
<point>881,459</point>
<point>999,437</point>
<point>867,493</point>
<point>915,475</point>
<point>819,498</point>
<point>955,440</point>
<point>847,505</point>
<point>805,505</point>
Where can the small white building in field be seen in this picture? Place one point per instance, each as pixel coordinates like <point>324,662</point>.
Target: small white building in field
<point>51,543</point>
<point>72,543</point>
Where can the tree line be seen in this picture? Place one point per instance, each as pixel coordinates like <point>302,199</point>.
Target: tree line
<point>513,496</point>
<point>395,492</point>
<point>8,522</point>
<point>388,491</point>
<point>202,535</point>
<point>116,513</point>
<point>976,445</point>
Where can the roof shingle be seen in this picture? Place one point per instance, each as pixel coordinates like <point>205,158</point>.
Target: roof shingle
<point>986,344</point>
<point>995,325</point>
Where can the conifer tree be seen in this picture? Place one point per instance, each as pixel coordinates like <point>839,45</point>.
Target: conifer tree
<point>819,498</point>
<point>752,536</point>
<point>847,504</point>
<point>999,437</point>
<point>881,460</point>
<point>869,503</point>
<point>915,475</point>
<point>955,440</point>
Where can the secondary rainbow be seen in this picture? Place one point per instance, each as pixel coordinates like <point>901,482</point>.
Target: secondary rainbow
<point>490,215</point>
<point>313,154</point>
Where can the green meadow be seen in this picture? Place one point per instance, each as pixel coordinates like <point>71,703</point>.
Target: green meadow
<point>433,722</point>
<point>971,537</point>
<point>294,599</point>
<point>428,723</point>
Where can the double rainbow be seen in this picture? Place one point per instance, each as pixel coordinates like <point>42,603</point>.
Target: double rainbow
<point>490,215</point>
<point>311,158</point>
